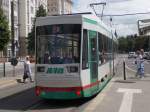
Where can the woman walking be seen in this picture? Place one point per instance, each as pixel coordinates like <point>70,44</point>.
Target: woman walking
<point>141,64</point>
<point>27,70</point>
<point>138,63</point>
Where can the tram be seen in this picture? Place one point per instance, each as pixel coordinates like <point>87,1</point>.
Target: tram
<point>75,56</point>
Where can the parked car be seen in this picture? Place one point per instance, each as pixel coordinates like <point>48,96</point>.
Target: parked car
<point>146,55</point>
<point>132,55</point>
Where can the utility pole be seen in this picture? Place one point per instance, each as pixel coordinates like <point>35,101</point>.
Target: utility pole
<point>13,59</point>
<point>113,57</point>
<point>12,29</point>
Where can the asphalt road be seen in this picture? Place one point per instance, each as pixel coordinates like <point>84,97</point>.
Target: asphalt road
<point>21,97</point>
<point>17,97</point>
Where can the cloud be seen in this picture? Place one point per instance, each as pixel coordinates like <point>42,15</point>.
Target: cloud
<point>125,23</point>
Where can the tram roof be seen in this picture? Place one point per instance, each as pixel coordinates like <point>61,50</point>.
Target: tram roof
<point>72,19</point>
<point>78,18</point>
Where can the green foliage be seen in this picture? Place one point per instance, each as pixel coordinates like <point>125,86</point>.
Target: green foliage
<point>133,43</point>
<point>41,12</point>
<point>4,31</point>
<point>122,41</point>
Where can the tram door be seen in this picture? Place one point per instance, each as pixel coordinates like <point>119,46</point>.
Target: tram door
<point>93,58</point>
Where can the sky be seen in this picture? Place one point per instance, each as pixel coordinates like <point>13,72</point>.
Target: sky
<point>125,25</point>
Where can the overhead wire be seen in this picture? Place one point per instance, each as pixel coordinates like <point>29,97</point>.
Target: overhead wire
<point>126,14</point>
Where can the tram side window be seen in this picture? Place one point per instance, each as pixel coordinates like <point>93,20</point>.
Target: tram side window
<point>109,54</point>
<point>105,48</point>
<point>115,49</point>
<point>102,48</point>
<point>85,50</point>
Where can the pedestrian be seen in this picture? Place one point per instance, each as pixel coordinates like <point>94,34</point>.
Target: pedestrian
<point>27,70</point>
<point>141,63</point>
<point>138,63</point>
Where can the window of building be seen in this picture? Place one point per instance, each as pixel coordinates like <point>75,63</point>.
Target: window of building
<point>15,19</point>
<point>32,10</point>
<point>15,6</point>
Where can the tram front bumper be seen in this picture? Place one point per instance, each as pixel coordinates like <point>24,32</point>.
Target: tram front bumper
<point>58,93</point>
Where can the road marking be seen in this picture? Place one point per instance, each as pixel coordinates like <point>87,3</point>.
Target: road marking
<point>98,99</point>
<point>126,104</point>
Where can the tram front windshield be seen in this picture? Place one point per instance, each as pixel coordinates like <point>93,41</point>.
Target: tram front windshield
<point>58,44</point>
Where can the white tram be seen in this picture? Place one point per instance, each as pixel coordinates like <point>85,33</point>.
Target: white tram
<point>74,56</point>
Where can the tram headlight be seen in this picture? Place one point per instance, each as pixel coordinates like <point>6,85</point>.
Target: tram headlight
<point>78,93</point>
<point>40,69</point>
<point>37,91</point>
<point>72,69</point>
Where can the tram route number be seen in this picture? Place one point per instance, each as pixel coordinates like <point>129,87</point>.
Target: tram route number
<point>55,70</point>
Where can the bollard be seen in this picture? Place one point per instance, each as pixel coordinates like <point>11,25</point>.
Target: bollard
<point>124,70</point>
<point>4,69</point>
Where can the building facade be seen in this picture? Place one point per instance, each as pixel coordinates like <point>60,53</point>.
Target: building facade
<point>144,27</point>
<point>144,31</point>
<point>56,7</point>
<point>27,13</point>
<point>24,15</point>
<point>41,2</point>
<point>26,18</point>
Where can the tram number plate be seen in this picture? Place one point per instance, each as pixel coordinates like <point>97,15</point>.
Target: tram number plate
<point>55,70</point>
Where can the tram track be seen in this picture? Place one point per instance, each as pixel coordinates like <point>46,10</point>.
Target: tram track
<point>34,105</point>
<point>57,105</point>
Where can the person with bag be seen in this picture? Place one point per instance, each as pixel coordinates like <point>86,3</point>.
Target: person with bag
<point>138,63</point>
<point>142,64</point>
<point>27,70</point>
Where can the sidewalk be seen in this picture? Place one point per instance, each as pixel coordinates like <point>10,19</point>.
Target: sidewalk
<point>130,95</point>
<point>9,81</point>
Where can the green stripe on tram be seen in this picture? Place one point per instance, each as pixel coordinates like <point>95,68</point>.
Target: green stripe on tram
<point>94,22</point>
<point>90,21</point>
<point>59,95</point>
<point>87,92</point>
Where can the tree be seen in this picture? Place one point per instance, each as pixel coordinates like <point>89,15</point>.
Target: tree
<point>4,31</point>
<point>122,44</point>
<point>41,12</point>
<point>134,43</point>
